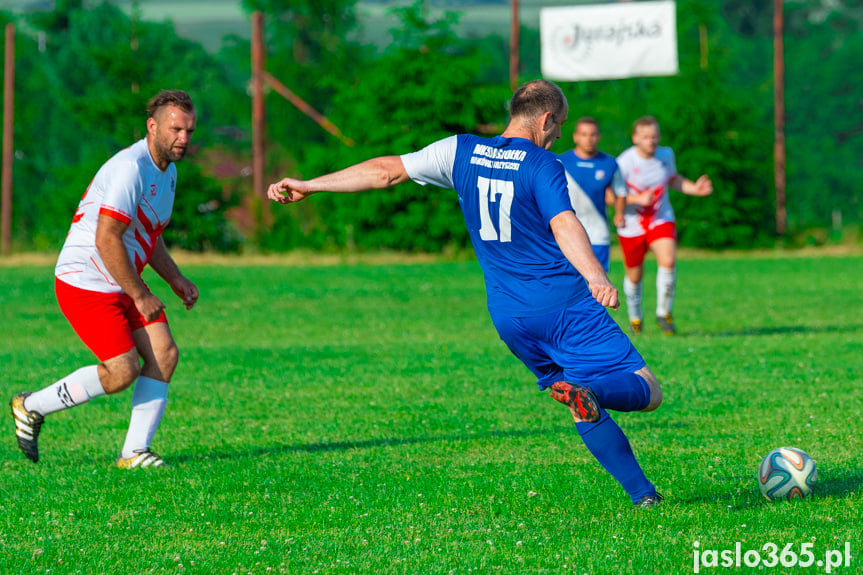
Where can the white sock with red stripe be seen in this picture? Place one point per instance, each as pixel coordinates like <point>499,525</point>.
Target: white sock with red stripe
<point>633,299</point>
<point>664,291</point>
<point>76,388</point>
<point>148,405</point>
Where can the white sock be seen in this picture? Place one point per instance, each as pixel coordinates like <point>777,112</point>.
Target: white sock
<point>76,388</point>
<point>148,405</point>
<point>633,299</point>
<point>664,291</point>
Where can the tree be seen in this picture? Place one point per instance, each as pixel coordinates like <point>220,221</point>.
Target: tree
<point>308,48</point>
<point>102,67</point>
<point>824,123</point>
<point>421,88</point>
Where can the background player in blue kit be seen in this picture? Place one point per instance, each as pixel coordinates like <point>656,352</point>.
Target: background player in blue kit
<point>594,181</point>
<point>545,288</point>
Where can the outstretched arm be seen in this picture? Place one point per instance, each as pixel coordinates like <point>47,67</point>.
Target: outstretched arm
<point>575,245</point>
<point>374,174</point>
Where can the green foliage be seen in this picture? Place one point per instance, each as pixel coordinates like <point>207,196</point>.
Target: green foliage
<point>84,90</point>
<point>51,170</point>
<point>824,121</point>
<point>425,87</point>
<point>308,49</point>
<point>713,133</point>
<point>419,90</point>
<point>198,221</point>
<point>102,68</point>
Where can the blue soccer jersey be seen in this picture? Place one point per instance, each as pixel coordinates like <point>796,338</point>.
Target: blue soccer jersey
<point>509,190</point>
<point>588,179</point>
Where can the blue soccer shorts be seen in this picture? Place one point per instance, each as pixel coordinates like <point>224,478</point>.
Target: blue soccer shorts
<point>603,254</point>
<point>580,343</point>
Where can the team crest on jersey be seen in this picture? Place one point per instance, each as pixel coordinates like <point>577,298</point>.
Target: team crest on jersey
<point>152,190</point>
<point>600,174</point>
<point>172,184</point>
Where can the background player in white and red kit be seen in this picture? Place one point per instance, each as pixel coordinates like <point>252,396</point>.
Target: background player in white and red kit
<point>115,233</point>
<point>650,172</point>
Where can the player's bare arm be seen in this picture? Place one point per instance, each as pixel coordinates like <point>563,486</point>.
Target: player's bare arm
<point>619,208</point>
<point>374,174</point>
<point>618,203</point>
<point>615,195</point>
<point>575,245</point>
<point>109,242</point>
<point>644,199</point>
<point>700,187</point>
<point>164,265</point>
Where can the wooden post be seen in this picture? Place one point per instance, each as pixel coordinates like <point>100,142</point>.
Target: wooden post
<point>514,30</point>
<point>303,107</point>
<point>8,150</point>
<point>258,150</point>
<point>779,117</point>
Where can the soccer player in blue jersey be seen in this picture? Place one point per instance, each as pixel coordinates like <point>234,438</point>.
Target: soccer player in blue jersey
<point>546,291</point>
<point>594,181</point>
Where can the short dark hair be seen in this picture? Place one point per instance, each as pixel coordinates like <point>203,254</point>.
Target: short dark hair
<point>644,121</point>
<point>177,98</point>
<point>587,120</point>
<point>535,98</point>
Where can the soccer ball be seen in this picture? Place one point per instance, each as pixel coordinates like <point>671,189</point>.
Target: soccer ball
<point>787,473</point>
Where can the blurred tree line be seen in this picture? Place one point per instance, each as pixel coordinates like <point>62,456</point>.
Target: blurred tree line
<point>85,72</point>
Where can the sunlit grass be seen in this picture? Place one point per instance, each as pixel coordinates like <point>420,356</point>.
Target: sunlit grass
<point>367,419</point>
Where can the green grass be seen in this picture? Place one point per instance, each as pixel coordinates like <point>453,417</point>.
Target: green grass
<point>367,419</point>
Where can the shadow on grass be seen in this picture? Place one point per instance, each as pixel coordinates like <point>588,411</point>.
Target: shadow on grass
<point>838,486</point>
<point>375,443</point>
<point>776,330</point>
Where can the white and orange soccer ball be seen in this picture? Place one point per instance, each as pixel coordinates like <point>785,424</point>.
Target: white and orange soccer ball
<point>787,473</point>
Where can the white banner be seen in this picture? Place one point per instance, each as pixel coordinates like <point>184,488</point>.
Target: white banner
<point>603,41</point>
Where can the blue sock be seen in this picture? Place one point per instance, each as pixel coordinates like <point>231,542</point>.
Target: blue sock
<point>606,441</point>
<point>621,391</point>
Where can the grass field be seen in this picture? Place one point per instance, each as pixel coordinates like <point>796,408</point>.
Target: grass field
<point>367,419</point>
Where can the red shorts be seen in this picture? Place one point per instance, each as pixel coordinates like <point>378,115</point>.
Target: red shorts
<point>634,249</point>
<point>103,321</point>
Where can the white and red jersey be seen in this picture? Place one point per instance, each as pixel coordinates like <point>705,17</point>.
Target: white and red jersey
<point>641,175</point>
<point>129,188</point>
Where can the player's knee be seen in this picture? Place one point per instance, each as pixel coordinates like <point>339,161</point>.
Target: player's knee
<point>654,388</point>
<point>655,398</point>
<point>635,274</point>
<point>175,357</point>
<point>118,373</point>
<point>170,357</point>
<point>166,359</point>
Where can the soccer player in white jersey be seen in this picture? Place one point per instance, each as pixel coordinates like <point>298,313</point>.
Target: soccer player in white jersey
<point>546,291</point>
<point>650,172</point>
<point>115,233</point>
